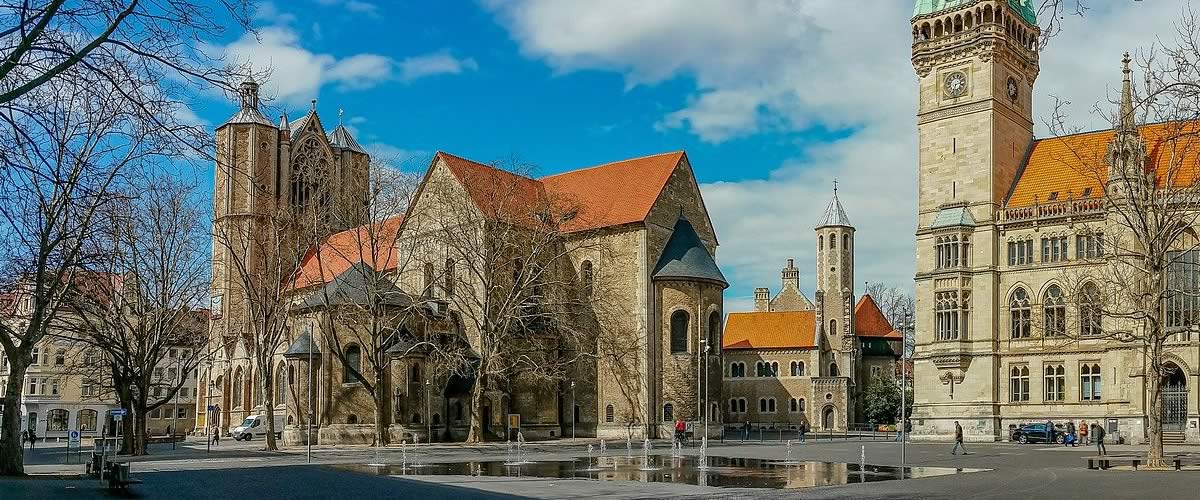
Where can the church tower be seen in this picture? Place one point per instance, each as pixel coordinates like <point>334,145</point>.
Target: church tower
<point>976,63</point>
<point>835,290</point>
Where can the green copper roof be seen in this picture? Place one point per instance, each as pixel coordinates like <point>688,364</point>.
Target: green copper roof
<point>1023,7</point>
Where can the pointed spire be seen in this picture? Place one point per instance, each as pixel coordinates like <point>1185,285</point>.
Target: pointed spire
<point>1127,123</point>
<point>340,113</point>
<point>834,215</point>
<point>283,121</point>
<point>312,106</point>
<point>248,108</point>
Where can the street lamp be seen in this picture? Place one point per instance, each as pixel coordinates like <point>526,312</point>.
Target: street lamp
<point>428,422</point>
<point>700,379</point>
<point>208,407</point>
<point>906,324</point>
<point>704,414</point>
<point>572,411</point>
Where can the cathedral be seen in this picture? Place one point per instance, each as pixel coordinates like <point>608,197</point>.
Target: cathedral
<point>1011,232</point>
<point>793,361</point>
<point>632,241</point>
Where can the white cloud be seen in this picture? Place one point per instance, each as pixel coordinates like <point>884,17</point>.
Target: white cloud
<point>788,65</point>
<point>353,6</point>
<point>434,63</point>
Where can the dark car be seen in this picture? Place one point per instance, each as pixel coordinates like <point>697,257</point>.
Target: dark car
<point>1037,433</point>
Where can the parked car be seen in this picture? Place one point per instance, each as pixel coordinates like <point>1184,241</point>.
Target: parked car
<point>1037,433</point>
<point>256,425</point>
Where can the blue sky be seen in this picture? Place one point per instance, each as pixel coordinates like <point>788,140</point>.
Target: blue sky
<point>772,100</point>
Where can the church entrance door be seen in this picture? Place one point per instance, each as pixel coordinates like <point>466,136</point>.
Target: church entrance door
<point>827,418</point>
<point>1175,394</point>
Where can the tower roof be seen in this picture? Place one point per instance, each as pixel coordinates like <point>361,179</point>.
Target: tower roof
<point>341,138</point>
<point>1023,7</point>
<point>834,215</point>
<point>248,111</point>
<point>303,347</point>
<point>685,257</point>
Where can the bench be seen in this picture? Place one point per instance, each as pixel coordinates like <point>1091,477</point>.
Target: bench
<point>1178,460</point>
<point>117,476</point>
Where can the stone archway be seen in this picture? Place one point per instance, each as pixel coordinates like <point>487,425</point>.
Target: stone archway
<point>828,417</point>
<point>1175,398</point>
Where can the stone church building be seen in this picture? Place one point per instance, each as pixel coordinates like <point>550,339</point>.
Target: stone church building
<point>792,361</point>
<point>636,231</point>
<point>1009,229</point>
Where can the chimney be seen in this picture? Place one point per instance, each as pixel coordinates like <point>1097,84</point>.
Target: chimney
<point>791,275</point>
<point>762,300</point>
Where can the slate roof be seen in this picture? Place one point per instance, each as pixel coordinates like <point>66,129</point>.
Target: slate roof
<point>953,216</point>
<point>302,346</point>
<point>1024,8</point>
<point>249,115</point>
<point>341,138</point>
<point>358,285</point>
<point>770,330</point>
<point>834,214</point>
<point>685,257</point>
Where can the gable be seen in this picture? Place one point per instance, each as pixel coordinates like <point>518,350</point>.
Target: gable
<point>614,193</point>
<point>869,320</point>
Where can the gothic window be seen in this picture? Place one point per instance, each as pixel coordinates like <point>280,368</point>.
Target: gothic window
<point>774,369</point>
<point>237,388</point>
<point>801,404</point>
<point>793,405</point>
<point>679,331</point>
<point>586,277</point>
<point>1054,249</point>
<point>833,327</point>
<point>833,242</point>
<point>846,242</point>
<point>1055,308</point>
<point>737,370</point>
<point>608,414</point>
<point>820,242</point>
<point>353,363</point>
<point>1089,246</point>
<point>797,369</point>
<point>1056,383</point>
<point>1089,382</point>
<point>310,169</point>
<point>448,286</point>
<point>668,412</point>
<point>1018,383</point>
<point>428,290</point>
<point>949,316</point>
<point>1183,288</point>
<point>1018,311</point>
<point>280,384</point>
<point>1089,310</point>
<point>833,370</point>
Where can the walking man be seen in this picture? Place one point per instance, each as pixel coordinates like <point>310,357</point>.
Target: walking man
<point>1083,432</point>
<point>216,435</point>
<point>958,439</point>
<point>1098,437</point>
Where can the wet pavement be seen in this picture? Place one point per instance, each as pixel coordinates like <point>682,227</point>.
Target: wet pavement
<point>717,472</point>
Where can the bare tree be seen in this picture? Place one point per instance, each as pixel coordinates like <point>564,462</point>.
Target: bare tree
<point>897,306</point>
<point>145,324</point>
<point>1142,239</point>
<point>523,307</point>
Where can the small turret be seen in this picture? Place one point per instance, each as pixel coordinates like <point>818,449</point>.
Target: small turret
<point>248,111</point>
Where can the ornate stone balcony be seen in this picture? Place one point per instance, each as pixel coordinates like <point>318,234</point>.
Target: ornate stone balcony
<point>1067,209</point>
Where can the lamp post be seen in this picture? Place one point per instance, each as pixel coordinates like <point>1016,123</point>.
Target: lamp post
<point>572,411</point>
<point>706,416</point>
<point>208,424</point>
<point>175,402</point>
<point>906,323</point>
<point>428,422</point>
<point>700,378</point>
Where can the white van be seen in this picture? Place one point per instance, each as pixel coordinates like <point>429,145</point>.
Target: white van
<point>256,425</point>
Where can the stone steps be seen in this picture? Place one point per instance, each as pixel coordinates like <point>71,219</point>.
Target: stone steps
<point>1174,437</point>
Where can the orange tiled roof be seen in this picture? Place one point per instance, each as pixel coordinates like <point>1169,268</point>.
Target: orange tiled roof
<point>615,193</point>
<point>341,250</point>
<point>605,195</point>
<point>770,330</point>
<point>869,321</point>
<point>1070,164</point>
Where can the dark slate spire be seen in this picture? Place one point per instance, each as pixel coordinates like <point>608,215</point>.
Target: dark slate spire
<point>357,286</point>
<point>1127,122</point>
<point>248,112</point>
<point>303,347</point>
<point>834,215</point>
<point>686,258</point>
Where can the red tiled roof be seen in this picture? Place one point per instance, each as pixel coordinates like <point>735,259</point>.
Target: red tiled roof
<point>341,250</point>
<point>1070,164</point>
<point>611,194</point>
<point>869,320</point>
<point>615,193</point>
<point>770,330</point>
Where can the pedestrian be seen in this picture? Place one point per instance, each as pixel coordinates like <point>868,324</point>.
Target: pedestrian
<point>216,435</point>
<point>958,440</point>
<point>1098,437</point>
<point>1069,439</point>
<point>1083,432</point>
<point>803,430</point>
<point>746,431</point>
<point>32,439</point>
<point>1050,431</point>
<point>680,431</point>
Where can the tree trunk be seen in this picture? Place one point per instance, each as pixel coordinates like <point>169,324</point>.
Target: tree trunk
<point>381,414</point>
<point>476,433</point>
<point>138,421</point>
<point>269,407</point>
<point>12,461</point>
<point>1154,428</point>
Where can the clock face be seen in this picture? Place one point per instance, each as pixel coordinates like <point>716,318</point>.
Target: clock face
<point>956,84</point>
<point>1012,88</point>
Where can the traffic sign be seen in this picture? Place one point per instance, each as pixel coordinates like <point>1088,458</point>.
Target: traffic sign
<point>118,417</point>
<point>117,412</point>
<point>73,437</point>
<point>212,407</point>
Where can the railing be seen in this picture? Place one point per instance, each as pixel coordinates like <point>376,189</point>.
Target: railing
<point>1067,208</point>
<point>789,431</point>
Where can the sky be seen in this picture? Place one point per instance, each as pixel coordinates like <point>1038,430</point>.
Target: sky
<point>772,99</point>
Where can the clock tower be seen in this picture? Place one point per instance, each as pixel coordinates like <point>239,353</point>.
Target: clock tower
<point>976,62</point>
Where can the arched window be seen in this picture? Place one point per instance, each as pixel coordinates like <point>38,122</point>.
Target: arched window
<point>833,370</point>
<point>679,331</point>
<point>448,282</point>
<point>587,277</point>
<point>1089,382</point>
<point>846,242</point>
<point>1018,383</point>
<point>801,404</point>
<point>1055,382</point>
<point>281,384</point>
<point>87,421</point>
<point>1089,310</point>
<point>741,405</point>
<point>833,241</point>
<point>56,420</point>
<point>833,327</point>
<point>458,411</point>
<point>774,368</point>
<point>714,332</point>
<point>353,364</point>
<point>436,419</point>
<point>608,414</point>
<point>1018,311</point>
<point>820,242</point>
<point>1055,308</point>
<point>309,182</point>
<point>352,419</point>
<point>428,292</point>
<point>668,412</point>
<point>793,405</point>
<point>237,388</point>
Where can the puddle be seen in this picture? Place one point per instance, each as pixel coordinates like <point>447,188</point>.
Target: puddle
<point>719,471</point>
